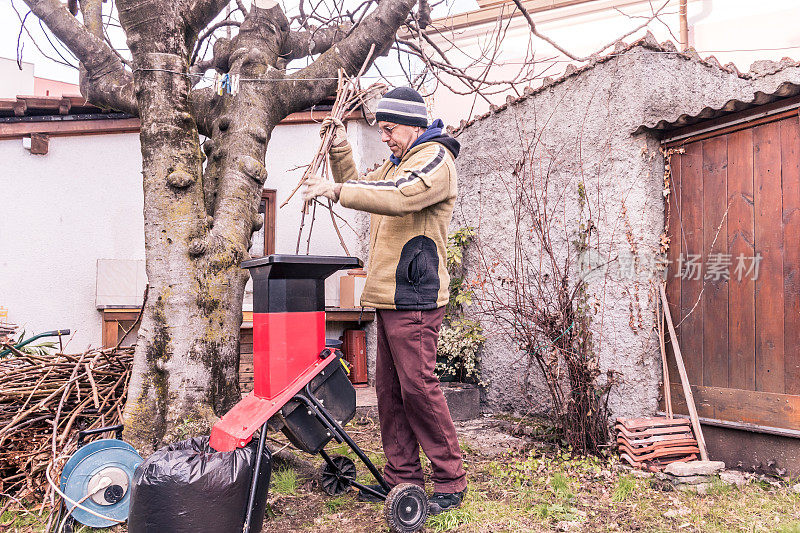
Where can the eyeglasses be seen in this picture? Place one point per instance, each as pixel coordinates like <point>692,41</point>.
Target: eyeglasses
<point>387,130</point>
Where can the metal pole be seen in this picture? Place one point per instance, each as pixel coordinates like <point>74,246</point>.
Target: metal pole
<point>684,22</point>
<point>346,438</point>
<point>262,443</point>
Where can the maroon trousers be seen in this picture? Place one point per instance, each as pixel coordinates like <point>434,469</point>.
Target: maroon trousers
<point>411,405</point>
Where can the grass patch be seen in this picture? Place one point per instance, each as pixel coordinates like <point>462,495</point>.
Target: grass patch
<point>22,521</point>
<point>284,481</point>
<point>30,521</point>
<point>561,487</point>
<point>719,487</point>
<point>538,487</point>
<point>624,487</point>
<point>333,505</point>
<point>554,511</point>
<point>341,449</point>
<point>466,448</point>
<point>451,519</point>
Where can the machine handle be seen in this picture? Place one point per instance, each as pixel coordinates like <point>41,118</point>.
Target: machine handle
<point>55,333</point>
<point>327,352</point>
<point>87,432</point>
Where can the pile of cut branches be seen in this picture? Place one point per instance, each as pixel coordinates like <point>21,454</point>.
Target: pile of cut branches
<point>44,401</point>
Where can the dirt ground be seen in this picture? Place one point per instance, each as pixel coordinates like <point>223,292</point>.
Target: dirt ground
<point>521,484</point>
<point>518,482</point>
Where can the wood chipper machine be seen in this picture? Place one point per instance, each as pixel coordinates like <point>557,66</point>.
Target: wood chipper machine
<point>301,387</point>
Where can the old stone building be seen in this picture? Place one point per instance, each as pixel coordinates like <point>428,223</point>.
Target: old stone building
<point>592,144</point>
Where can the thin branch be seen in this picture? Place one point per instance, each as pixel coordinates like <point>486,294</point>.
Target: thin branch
<point>108,83</point>
<point>207,33</point>
<point>575,57</point>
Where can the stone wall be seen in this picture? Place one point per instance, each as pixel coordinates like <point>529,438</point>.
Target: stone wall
<point>584,132</point>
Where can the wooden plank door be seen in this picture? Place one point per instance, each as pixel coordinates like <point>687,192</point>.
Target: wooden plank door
<point>734,272</point>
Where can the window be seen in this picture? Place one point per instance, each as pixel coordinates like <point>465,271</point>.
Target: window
<point>264,239</point>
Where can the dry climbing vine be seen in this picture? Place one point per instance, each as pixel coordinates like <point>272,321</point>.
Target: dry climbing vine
<point>538,297</point>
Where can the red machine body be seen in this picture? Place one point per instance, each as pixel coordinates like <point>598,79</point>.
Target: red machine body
<point>295,341</point>
<point>288,337</point>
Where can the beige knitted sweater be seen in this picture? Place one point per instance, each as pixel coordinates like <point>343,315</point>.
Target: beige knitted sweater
<point>411,206</point>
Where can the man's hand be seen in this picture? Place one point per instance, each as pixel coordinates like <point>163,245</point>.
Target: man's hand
<point>339,131</point>
<point>316,186</point>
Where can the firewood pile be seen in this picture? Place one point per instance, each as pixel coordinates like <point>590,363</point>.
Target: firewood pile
<point>7,331</point>
<point>44,402</point>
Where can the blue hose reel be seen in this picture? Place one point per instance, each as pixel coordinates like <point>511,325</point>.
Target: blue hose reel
<point>98,477</point>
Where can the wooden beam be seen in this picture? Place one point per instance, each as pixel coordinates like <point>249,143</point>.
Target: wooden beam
<point>39,143</point>
<point>769,246</point>
<point>491,11</point>
<point>305,117</point>
<point>715,284</point>
<point>790,176</point>
<point>705,129</point>
<point>664,365</point>
<point>17,130</point>
<point>337,314</point>
<point>741,289</point>
<point>687,390</point>
<point>754,408</point>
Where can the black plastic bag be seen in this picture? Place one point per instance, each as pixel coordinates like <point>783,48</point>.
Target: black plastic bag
<point>187,487</point>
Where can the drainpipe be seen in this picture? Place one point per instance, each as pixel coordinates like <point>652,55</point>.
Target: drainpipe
<point>684,25</point>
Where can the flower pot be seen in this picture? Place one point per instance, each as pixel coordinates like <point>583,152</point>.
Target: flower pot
<point>463,400</point>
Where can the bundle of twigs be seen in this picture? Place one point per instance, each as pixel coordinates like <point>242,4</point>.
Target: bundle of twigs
<point>44,402</point>
<point>7,331</point>
<point>349,96</point>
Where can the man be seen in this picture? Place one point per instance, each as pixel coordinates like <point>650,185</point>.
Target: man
<point>411,198</point>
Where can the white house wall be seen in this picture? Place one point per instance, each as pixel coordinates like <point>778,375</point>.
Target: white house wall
<point>82,201</point>
<point>63,211</point>
<point>15,80</point>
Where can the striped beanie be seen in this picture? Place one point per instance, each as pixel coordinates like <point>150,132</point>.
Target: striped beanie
<point>403,105</point>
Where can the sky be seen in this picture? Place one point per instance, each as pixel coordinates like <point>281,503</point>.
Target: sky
<point>46,68</point>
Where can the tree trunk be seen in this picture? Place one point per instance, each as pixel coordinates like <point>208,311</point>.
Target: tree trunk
<point>185,363</point>
<point>198,227</point>
<point>199,223</point>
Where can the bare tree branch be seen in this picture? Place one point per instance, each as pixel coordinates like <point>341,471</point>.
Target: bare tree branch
<point>300,44</point>
<point>92,11</point>
<point>348,54</point>
<point>207,33</point>
<point>199,13</point>
<point>108,83</point>
<point>575,57</point>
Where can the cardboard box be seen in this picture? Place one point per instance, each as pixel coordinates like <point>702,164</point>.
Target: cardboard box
<point>350,288</point>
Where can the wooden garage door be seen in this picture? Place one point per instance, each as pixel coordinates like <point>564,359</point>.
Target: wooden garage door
<point>734,272</point>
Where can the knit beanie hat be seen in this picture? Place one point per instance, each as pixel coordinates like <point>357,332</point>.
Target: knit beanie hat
<point>403,105</point>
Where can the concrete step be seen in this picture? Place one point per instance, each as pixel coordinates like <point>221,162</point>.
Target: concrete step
<point>366,402</point>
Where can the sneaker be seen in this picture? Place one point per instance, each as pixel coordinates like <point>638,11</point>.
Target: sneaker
<point>441,502</point>
<point>367,497</point>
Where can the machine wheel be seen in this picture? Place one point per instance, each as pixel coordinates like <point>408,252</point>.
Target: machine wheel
<point>406,508</point>
<point>336,481</point>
